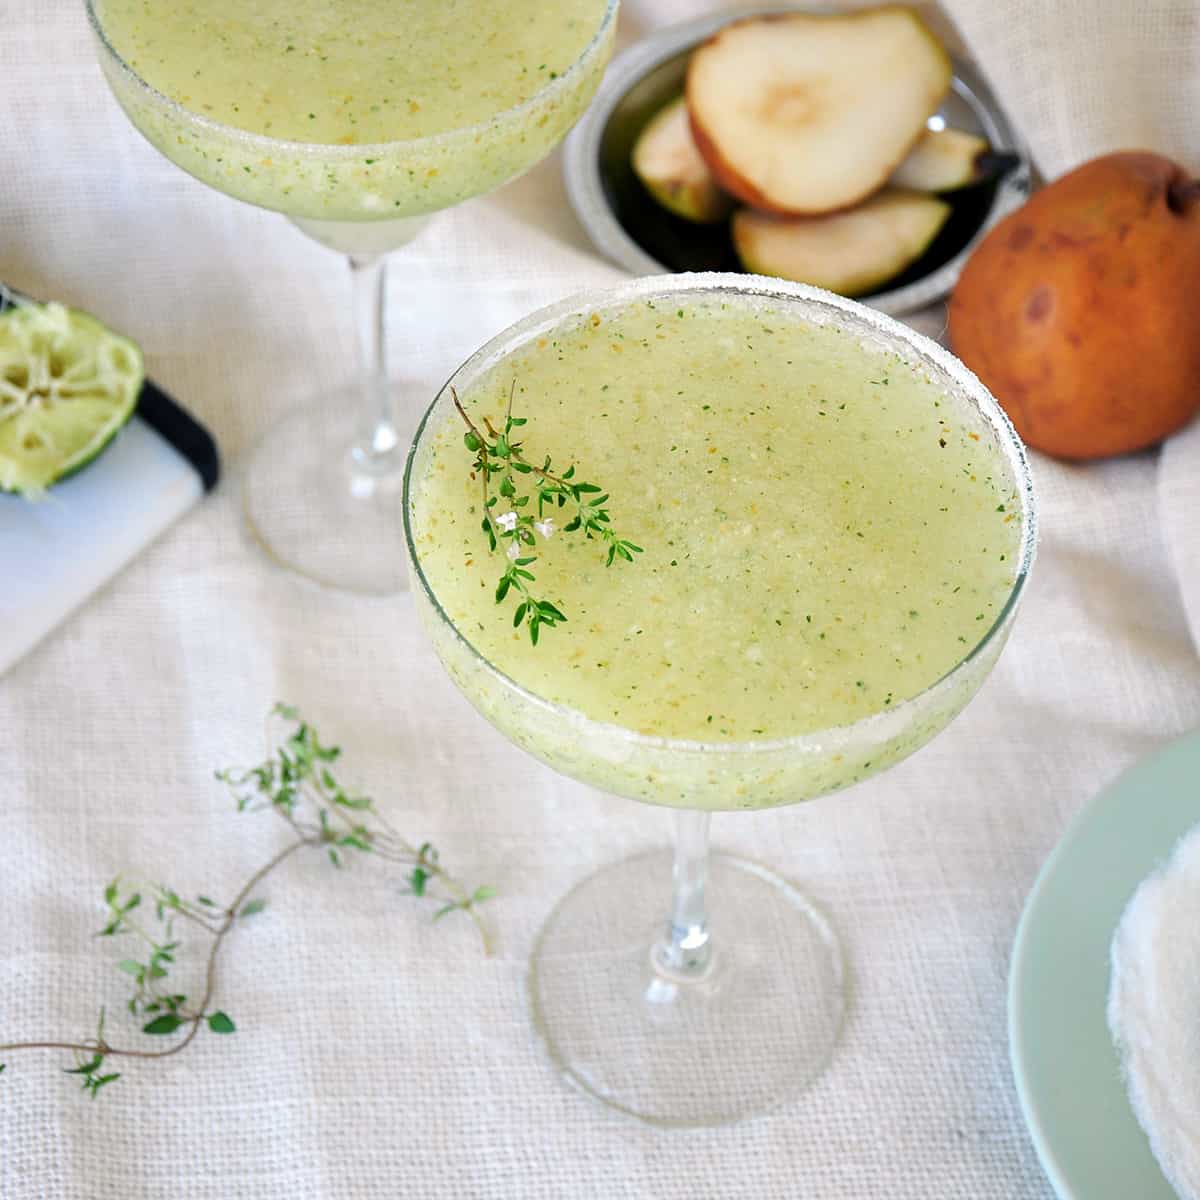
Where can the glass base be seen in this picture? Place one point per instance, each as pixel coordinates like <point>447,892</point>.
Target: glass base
<point>321,509</point>
<point>751,1034</point>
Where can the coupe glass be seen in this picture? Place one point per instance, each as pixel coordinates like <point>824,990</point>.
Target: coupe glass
<point>336,464</point>
<point>654,1008</point>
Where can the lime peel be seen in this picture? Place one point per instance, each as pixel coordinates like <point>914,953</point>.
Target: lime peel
<point>67,386</point>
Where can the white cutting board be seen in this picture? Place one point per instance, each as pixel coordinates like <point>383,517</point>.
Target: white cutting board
<point>55,552</point>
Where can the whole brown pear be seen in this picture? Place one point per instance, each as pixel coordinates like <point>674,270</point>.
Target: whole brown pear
<point>1081,311</point>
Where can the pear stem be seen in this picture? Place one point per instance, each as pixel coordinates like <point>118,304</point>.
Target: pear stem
<point>1182,193</point>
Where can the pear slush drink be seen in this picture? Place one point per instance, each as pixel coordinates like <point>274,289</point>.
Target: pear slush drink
<point>827,531</point>
<point>446,100</point>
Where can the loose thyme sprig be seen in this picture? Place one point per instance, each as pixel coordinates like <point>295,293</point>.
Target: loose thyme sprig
<point>297,784</point>
<point>503,472</point>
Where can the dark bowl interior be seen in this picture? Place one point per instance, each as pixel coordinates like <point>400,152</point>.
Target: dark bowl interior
<point>681,245</point>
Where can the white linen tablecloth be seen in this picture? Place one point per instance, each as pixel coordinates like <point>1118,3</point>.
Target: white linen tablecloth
<point>378,1055</point>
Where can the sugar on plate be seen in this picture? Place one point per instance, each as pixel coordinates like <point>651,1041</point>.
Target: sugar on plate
<point>1154,1011</point>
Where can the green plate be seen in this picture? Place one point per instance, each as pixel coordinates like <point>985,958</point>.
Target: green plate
<point>1067,1074</point>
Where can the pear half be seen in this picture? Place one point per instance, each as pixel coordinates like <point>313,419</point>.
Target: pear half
<point>850,252</point>
<point>666,160</point>
<point>941,161</point>
<point>797,113</point>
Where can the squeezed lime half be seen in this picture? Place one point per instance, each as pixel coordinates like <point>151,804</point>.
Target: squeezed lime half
<point>67,385</point>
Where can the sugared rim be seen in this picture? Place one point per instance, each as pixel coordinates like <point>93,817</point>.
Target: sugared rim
<point>326,149</point>
<point>715,283</point>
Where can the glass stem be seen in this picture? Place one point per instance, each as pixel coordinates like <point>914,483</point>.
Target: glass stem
<point>686,951</point>
<point>378,452</point>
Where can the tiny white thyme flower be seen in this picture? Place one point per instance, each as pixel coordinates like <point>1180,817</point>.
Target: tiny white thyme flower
<point>514,550</point>
<point>545,528</point>
<point>507,521</point>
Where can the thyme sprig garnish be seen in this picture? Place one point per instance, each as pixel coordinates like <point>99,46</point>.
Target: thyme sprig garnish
<point>296,783</point>
<point>510,484</point>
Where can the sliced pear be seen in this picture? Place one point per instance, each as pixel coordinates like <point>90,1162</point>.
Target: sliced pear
<point>942,160</point>
<point>850,252</point>
<point>799,114</point>
<point>666,160</point>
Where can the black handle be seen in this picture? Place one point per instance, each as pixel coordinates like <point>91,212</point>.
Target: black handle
<point>182,430</point>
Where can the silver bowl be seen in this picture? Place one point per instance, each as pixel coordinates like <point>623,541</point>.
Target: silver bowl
<point>629,228</point>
